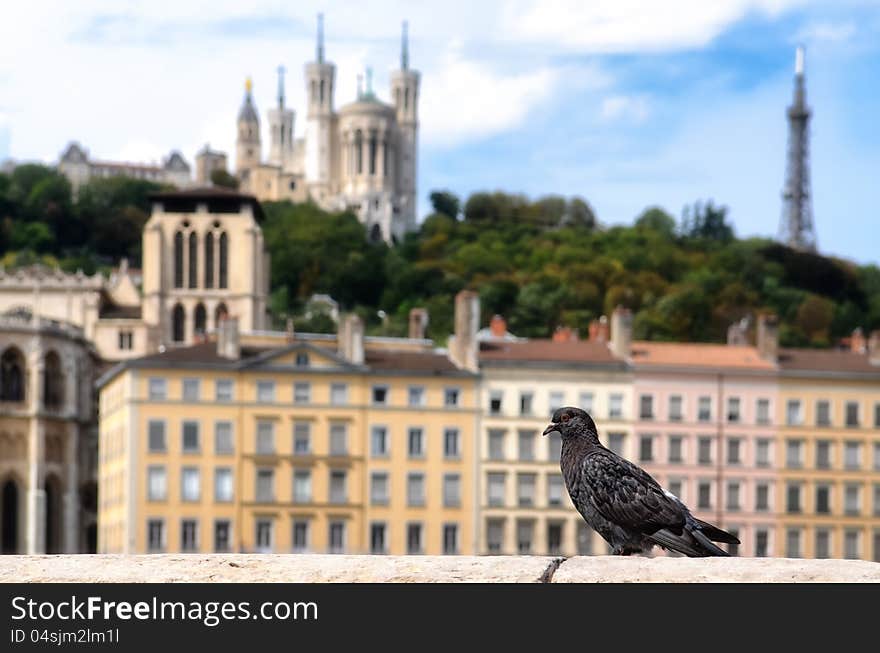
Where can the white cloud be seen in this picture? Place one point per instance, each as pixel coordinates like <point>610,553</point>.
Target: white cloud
<point>827,32</point>
<point>625,107</point>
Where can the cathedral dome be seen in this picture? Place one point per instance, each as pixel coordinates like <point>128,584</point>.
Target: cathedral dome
<point>248,111</point>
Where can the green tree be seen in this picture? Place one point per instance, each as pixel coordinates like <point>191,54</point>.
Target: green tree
<point>446,203</point>
<point>223,179</point>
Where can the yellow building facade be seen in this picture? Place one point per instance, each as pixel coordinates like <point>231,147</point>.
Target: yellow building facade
<point>317,444</point>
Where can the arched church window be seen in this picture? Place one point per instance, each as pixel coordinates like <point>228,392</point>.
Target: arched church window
<point>224,261</point>
<point>193,260</point>
<point>209,260</point>
<point>178,323</point>
<point>200,319</point>
<point>178,259</point>
<point>53,381</point>
<point>314,91</point>
<point>12,375</point>
<point>359,151</point>
<point>373,151</point>
<point>322,91</point>
<point>406,99</point>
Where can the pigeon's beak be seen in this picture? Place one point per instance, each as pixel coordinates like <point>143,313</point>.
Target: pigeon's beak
<point>550,429</point>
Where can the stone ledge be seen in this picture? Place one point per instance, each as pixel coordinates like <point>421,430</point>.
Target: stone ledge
<point>232,568</point>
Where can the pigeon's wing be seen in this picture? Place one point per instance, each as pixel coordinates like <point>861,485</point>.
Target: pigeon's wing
<point>628,496</point>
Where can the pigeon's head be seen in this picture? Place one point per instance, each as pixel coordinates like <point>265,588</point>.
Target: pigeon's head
<point>572,422</point>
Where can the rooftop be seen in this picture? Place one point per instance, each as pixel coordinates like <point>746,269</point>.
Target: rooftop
<point>547,351</point>
<point>826,360</point>
<point>704,355</point>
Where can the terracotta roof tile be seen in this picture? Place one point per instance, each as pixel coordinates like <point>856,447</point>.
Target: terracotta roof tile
<point>826,360</point>
<point>408,361</point>
<point>676,354</point>
<point>545,350</point>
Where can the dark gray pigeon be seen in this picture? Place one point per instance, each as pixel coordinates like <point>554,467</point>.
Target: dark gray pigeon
<point>621,501</point>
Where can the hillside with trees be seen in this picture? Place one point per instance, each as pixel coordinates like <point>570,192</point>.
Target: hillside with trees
<point>540,263</point>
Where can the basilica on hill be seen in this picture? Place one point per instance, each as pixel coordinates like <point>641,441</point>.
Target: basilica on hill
<point>360,157</point>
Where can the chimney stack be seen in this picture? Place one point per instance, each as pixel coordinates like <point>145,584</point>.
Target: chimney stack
<point>463,345</point>
<point>418,323</point>
<point>227,338</point>
<point>565,334</point>
<point>289,331</point>
<point>621,332</point>
<point>498,326</point>
<point>768,336</point>
<point>598,330</point>
<point>738,333</point>
<point>874,348</point>
<point>351,339</point>
<point>857,342</point>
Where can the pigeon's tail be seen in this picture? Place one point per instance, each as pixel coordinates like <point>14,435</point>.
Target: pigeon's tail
<point>695,540</point>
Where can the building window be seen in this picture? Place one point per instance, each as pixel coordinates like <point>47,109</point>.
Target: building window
<point>676,488</point>
<point>704,495</point>
<point>265,489</point>
<point>126,340</point>
<point>496,444</point>
<point>733,496</point>
<point>191,390</point>
<point>852,499</point>
<point>704,409</point>
<point>302,486</point>
<point>495,402</point>
<point>823,454</point>
<point>379,441</point>
<point>762,452</point>
<point>189,535</point>
<point>823,543</point>
<point>193,260</point>
<point>300,535</point>
<point>794,453</point>
<point>646,407</point>
<point>823,499</point>
<point>157,483</point>
<point>415,489</point>
<point>586,401</point>
<point>704,450</point>
<point>209,260</point>
<point>451,397</point>
<point>178,323</point>
<point>733,548</point>
<point>265,437</point>
<point>451,443</point>
<point>266,391</point>
<point>450,539</point>
<point>852,455</point>
<point>646,448</point>
<point>190,437</point>
<point>415,439</point>
<point>338,439</point>
<point>200,320</point>
<point>877,499</point>
<point>793,416</point>
<point>526,441</point>
<point>823,413</point>
<point>525,490</point>
<point>733,415</point>
<point>877,456</point>
<point>734,446</point>
<point>762,538</point>
<point>338,486</point>
<point>675,413</point>
<point>554,446</point>
<point>851,544</point>
<point>336,537</point>
<point>157,388</point>
<point>414,538</point>
<point>339,394</point>
<point>302,359</point>
<point>156,435</point>
<point>223,484</point>
<point>302,391</point>
<point>554,489</point>
<point>584,539</point>
<point>615,443</point>
<point>302,438</point>
<point>224,260</point>
<point>379,489</point>
<point>557,401</point>
<point>380,395</point>
<point>222,536</point>
<point>264,535</point>
<point>762,411</point>
<point>223,390</point>
<point>155,535</point>
<point>615,406</point>
<point>525,403</point>
<point>762,497</point>
<point>496,489</point>
<point>793,543</point>
<point>675,449</point>
<point>451,490</point>
<point>793,498</point>
<point>877,415</point>
<point>178,259</point>
<point>525,530</point>
<point>190,486</point>
<point>554,538</point>
<point>852,414</point>
<point>416,395</point>
<point>377,538</point>
<point>494,535</point>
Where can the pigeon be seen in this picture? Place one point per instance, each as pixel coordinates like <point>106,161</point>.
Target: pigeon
<point>621,501</point>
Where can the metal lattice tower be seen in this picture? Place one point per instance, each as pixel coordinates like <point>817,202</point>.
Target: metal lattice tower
<point>796,226</point>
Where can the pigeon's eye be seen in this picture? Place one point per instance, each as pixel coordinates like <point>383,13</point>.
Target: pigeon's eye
<point>565,418</point>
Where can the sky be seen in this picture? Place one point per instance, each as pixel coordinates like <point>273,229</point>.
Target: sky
<point>627,104</point>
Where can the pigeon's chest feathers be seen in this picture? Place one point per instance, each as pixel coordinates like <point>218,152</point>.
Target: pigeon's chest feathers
<point>573,453</point>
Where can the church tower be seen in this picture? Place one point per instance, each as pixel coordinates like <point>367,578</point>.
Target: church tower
<point>320,76</point>
<point>281,129</point>
<point>247,147</point>
<point>405,93</point>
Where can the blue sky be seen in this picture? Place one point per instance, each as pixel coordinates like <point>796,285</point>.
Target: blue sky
<point>626,103</point>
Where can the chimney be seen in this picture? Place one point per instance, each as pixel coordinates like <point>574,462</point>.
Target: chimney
<point>738,332</point>
<point>227,338</point>
<point>498,326</point>
<point>351,339</point>
<point>418,323</point>
<point>463,345</point>
<point>621,332</point>
<point>768,336</point>
<point>857,343</point>
<point>289,331</point>
<point>565,334</point>
<point>874,348</point>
